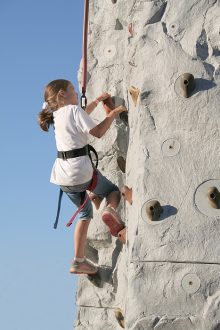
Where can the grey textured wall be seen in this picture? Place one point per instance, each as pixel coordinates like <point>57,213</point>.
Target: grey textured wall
<point>167,274</point>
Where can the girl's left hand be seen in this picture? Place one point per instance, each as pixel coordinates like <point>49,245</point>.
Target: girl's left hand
<point>103,97</point>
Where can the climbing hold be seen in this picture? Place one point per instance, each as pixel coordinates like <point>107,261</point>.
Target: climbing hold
<point>108,105</point>
<point>96,200</point>
<point>124,117</point>
<point>121,163</point>
<point>155,214</point>
<point>120,317</point>
<point>122,235</point>
<point>207,198</point>
<point>154,210</point>
<point>214,197</point>
<point>185,85</point>
<point>109,51</point>
<point>127,194</point>
<point>118,25</point>
<point>131,29</point>
<point>191,283</point>
<point>134,92</point>
<point>95,279</point>
<point>170,147</point>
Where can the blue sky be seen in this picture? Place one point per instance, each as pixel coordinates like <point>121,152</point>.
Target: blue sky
<point>40,41</point>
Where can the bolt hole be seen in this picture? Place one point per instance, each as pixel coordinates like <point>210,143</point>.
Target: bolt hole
<point>212,196</point>
<point>172,26</point>
<point>186,82</point>
<point>109,50</point>
<point>190,283</point>
<point>170,147</point>
<point>151,208</point>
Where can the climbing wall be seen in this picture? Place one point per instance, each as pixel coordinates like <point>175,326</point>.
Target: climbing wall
<point>162,60</point>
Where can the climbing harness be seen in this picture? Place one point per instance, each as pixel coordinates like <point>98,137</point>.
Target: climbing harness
<point>84,50</point>
<point>73,154</point>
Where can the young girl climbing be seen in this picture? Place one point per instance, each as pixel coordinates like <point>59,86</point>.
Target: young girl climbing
<point>73,169</point>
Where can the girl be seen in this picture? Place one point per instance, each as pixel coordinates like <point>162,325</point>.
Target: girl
<point>73,169</point>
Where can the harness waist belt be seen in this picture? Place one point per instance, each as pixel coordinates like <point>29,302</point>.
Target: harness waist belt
<point>73,153</point>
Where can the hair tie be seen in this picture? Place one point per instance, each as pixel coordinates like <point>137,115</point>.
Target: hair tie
<point>45,105</point>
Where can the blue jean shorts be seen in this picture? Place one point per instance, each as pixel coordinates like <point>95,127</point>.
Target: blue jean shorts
<point>103,188</point>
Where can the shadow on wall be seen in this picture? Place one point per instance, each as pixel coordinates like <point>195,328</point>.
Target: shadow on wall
<point>203,85</point>
<point>104,274</point>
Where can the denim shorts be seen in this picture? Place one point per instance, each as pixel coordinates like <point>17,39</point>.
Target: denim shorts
<point>103,188</point>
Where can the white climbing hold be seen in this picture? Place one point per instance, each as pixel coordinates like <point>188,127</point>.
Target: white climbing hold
<point>191,283</point>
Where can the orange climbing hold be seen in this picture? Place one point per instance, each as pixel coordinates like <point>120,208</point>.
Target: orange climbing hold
<point>122,235</point>
<point>131,29</point>
<point>127,194</point>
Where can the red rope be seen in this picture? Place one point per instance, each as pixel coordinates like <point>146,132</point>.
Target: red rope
<point>90,188</point>
<point>84,50</point>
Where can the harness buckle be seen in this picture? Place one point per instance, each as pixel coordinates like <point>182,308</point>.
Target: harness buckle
<point>64,156</point>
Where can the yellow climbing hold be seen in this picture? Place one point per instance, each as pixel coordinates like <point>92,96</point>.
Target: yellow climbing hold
<point>119,317</point>
<point>134,92</point>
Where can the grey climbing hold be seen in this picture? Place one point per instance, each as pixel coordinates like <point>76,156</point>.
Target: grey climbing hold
<point>170,147</point>
<point>153,213</point>
<point>124,117</point>
<point>120,317</point>
<point>121,163</point>
<point>185,85</point>
<point>202,48</point>
<point>206,198</point>
<point>95,279</point>
<point>191,283</point>
<point>118,25</point>
<point>109,51</point>
<point>154,210</point>
<point>214,197</point>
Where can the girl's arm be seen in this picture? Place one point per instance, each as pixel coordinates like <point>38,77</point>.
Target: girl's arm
<point>91,106</point>
<point>101,128</point>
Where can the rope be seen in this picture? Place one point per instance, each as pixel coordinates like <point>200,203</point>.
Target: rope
<point>90,188</point>
<point>84,50</point>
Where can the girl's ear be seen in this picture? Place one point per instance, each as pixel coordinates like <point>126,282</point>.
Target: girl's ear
<point>62,93</point>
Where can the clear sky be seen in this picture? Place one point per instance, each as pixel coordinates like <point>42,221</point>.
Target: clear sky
<point>40,41</point>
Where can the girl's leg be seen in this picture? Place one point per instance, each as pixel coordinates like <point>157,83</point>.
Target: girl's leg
<point>80,236</point>
<point>113,199</point>
<point>80,265</point>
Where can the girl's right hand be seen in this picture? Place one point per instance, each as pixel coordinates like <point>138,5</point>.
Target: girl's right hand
<point>118,110</point>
